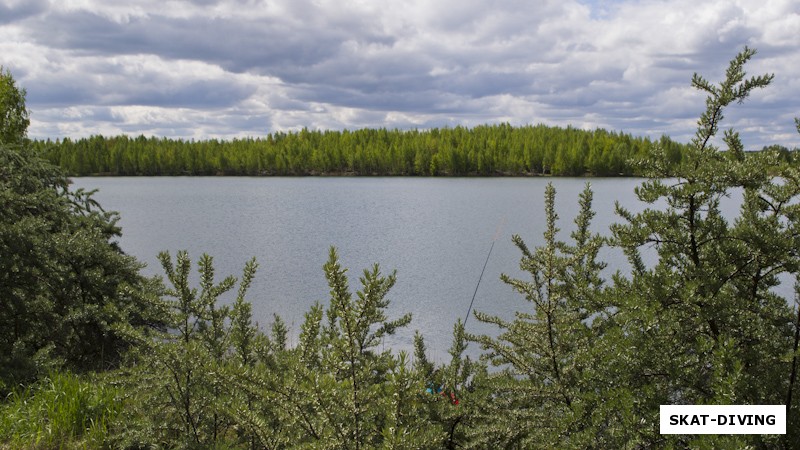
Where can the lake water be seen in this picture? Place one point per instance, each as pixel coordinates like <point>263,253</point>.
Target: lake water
<point>436,232</point>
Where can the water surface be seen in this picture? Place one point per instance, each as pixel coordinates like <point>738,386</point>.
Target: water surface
<point>436,232</point>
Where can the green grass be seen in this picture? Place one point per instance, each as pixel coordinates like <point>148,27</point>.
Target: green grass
<point>60,411</point>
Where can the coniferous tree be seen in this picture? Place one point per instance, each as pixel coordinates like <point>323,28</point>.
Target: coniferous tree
<point>452,393</point>
<point>487,150</point>
<point>69,297</point>
<point>539,397</point>
<point>352,390</point>
<point>335,389</point>
<point>180,393</point>
<point>702,324</point>
<point>14,116</point>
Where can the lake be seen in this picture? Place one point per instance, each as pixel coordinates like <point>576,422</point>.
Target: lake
<point>436,232</point>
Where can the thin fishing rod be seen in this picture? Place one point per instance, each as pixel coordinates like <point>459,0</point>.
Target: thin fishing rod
<point>494,239</point>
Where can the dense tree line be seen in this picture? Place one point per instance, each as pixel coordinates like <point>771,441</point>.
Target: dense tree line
<point>484,150</point>
<point>585,363</point>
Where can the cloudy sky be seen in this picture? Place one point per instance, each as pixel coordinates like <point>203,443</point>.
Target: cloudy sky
<point>225,68</point>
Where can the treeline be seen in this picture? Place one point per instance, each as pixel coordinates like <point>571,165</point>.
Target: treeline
<point>487,150</point>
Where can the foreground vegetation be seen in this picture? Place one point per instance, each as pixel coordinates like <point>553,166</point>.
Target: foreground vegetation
<point>106,358</point>
<point>484,151</point>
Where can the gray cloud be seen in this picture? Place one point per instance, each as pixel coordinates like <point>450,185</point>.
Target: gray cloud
<point>269,45</point>
<point>14,12</point>
<point>123,83</point>
<point>237,67</point>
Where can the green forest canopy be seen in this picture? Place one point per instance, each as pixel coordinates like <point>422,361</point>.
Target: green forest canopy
<point>487,150</point>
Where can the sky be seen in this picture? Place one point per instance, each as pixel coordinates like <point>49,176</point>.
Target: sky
<point>199,69</point>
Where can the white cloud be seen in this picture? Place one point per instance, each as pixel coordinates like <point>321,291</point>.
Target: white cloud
<point>203,68</point>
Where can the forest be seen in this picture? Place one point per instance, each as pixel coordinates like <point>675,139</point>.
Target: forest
<point>93,354</point>
<point>488,150</point>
